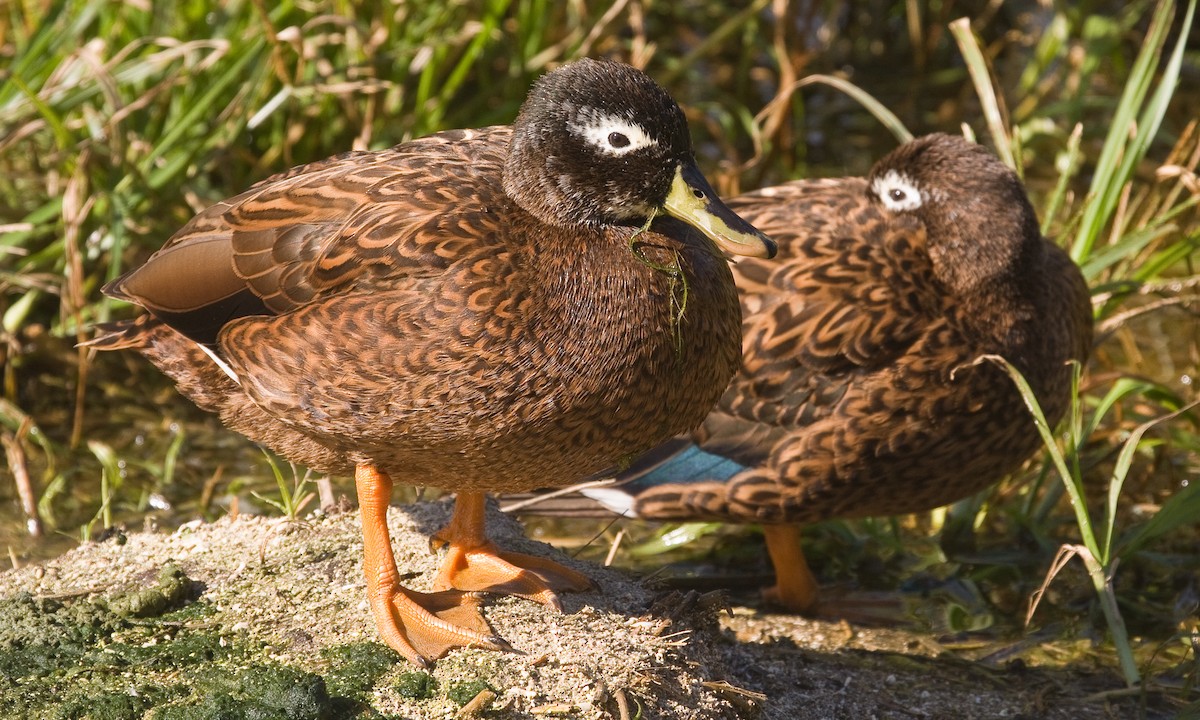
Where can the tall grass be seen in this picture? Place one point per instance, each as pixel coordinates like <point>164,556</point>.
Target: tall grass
<point>1137,117</point>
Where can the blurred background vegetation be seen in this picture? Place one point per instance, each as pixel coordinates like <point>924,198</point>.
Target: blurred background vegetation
<point>120,120</point>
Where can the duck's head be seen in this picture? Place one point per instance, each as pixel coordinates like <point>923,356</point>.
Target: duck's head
<point>599,143</point>
<point>977,217</point>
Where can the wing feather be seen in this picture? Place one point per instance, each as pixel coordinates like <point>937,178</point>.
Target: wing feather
<point>352,222</point>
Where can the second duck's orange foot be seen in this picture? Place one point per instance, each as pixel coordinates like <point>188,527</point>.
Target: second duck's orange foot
<point>474,563</point>
<point>796,589</point>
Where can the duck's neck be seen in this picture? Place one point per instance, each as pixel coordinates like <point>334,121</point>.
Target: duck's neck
<point>605,275</point>
<point>640,294</point>
<point>661,344</point>
<point>999,307</point>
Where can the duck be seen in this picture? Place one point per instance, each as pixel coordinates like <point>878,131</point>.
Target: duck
<point>864,388</point>
<point>475,310</point>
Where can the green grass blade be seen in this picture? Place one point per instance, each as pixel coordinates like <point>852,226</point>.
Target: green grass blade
<point>1134,242</point>
<point>1067,164</point>
<point>16,313</point>
<point>1049,46</point>
<point>1120,153</point>
<point>1119,473</point>
<point>1167,258</point>
<point>981,76</point>
<point>1099,568</point>
<point>47,113</point>
<point>1119,389</point>
<point>1072,483</point>
<point>714,39</point>
<point>203,106</point>
<point>172,457</point>
<point>37,51</point>
<point>110,481</point>
<point>675,537</point>
<point>1180,510</point>
<point>1131,244</point>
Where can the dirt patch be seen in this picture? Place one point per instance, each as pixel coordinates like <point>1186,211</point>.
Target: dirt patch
<point>274,612</point>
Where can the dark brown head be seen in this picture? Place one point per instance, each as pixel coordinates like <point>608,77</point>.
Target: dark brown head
<point>600,143</point>
<point>977,216</point>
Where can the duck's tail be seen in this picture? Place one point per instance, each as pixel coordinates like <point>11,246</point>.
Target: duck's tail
<point>198,374</point>
<point>675,481</point>
<point>122,334</point>
<point>205,379</point>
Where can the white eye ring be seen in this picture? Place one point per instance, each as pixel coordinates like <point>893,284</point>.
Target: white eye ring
<point>612,134</point>
<point>897,192</point>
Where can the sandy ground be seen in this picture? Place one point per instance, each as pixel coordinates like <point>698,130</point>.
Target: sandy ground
<point>296,588</point>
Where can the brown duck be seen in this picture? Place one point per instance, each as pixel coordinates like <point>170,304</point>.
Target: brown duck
<point>476,310</point>
<point>860,392</point>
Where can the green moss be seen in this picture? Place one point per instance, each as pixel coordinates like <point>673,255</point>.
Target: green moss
<point>354,668</point>
<point>32,622</point>
<point>154,650</point>
<point>464,692</point>
<point>172,589</point>
<point>113,705</point>
<point>41,640</point>
<point>262,692</point>
<point>415,685</point>
<point>193,612</point>
<point>79,658</point>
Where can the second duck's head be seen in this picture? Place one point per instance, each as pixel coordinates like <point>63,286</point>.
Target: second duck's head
<point>599,143</point>
<point>977,216</point>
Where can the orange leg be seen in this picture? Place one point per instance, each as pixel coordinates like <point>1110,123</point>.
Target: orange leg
<point>420,626</point>
<point>475,563</point>
<point>795,586</point>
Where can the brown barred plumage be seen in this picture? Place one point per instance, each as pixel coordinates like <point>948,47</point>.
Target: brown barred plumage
<point>860,392</point>
<point>475,310</point>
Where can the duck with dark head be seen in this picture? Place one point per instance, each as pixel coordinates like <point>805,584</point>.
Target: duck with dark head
<point>476,310</point>
<point>862,390</point>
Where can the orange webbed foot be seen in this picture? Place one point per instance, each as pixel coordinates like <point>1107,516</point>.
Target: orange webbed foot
<point>796,589</point>
<point>425,626</point>
<point>474,563</point>
<point>420,626</point>
<point>489,569</point>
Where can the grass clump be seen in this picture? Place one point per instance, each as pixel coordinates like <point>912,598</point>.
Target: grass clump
<point>1139,113</point>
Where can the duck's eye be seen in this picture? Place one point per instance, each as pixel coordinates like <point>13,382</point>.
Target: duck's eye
<point>897,191</point>
<point>610,134</point>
